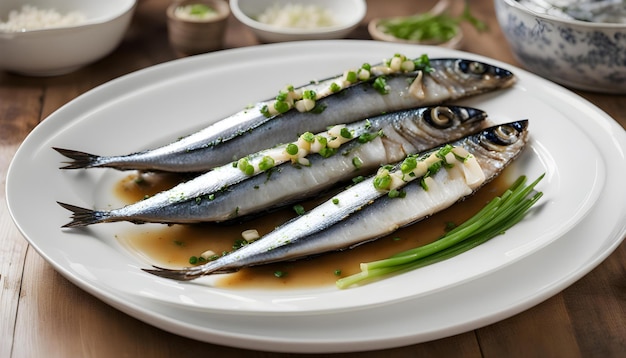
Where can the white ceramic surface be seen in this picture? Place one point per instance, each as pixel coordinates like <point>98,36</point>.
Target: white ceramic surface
<point>507,280</point>
<point>56,51</point>
<point>582,55</point>
<point>347,14</point>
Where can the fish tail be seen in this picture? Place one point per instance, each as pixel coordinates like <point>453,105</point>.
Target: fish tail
<point>82,216</point>
<point>190,273</point>
<point>179,275</point>
<point>80,159</point>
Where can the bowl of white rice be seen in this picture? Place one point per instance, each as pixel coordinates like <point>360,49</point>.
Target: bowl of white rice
<point>54,37</point>
<point>293,20</point>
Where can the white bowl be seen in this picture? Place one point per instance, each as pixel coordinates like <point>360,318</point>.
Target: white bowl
<point>584,55</point>
<point>55,51</point>
<point>347,15</point>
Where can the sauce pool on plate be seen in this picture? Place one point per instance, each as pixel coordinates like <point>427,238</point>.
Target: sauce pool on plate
<point>172,246</point>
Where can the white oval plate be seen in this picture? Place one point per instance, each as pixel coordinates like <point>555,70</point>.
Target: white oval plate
<point>571,139</point>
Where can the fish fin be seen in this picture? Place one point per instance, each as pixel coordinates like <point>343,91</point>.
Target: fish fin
<point>82,216</point>
<point>80,159</point>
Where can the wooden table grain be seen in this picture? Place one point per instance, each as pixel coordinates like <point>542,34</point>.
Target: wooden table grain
<point>43,314</point>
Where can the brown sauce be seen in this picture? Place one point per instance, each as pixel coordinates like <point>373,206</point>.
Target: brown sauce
<point>172,246</point>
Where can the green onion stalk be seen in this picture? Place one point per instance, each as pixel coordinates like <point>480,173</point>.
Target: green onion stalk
<point>500,214</point>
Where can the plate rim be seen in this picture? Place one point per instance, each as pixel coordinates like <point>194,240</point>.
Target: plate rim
<point>156,68</point>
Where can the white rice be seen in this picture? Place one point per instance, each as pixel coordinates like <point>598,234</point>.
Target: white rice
<point>32,18</point>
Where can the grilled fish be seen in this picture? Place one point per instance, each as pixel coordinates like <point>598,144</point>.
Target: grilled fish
<point>367,210</point>
<point>228,192</point>
<point>253,129</point>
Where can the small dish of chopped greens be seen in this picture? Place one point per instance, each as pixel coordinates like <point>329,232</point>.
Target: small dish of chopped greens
<point>435,27</point>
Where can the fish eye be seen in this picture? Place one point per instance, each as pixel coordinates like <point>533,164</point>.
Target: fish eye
<point>440,117</point>
<point>506,134</point>
<point>472,67</point>
<point>502,135</point>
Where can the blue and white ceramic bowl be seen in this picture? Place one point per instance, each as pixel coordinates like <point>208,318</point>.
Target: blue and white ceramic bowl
<point>584,55</point>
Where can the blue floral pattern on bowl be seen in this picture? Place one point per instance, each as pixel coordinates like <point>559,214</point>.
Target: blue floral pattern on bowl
<point>575,55</point>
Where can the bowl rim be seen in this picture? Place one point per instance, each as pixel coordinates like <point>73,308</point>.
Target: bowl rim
<point>247,20</point>
<point>593,25</point>
<point>130,6</point>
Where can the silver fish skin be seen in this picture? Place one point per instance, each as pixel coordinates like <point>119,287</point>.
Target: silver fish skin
<point>364,213</point>
<point>234,194</point>
<point>249,131</point>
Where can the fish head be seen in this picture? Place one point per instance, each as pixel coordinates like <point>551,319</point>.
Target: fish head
<point>467,77</point>
<point>504,135</point>
<point>473,70</point>
<point>504,142</point>
<point>495,147</point>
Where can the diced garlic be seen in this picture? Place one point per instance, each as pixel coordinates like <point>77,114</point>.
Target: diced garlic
<point>408,66</point>
<point>316,146</point>
<point>305,105</point>
<point>301,143</point>
<point>364,75</point>
<point>395,64</point>
<point>250,235</point>
<point>474,175</point>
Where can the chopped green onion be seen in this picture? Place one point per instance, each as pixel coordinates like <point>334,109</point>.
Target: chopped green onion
<point>380,85</point>
<point>281,97</point>
<point>200,9</point>
<point>239,243</point>
<point>322,140</point>
<point>423,63</point>
<point>281,106</point>
<point>368,137</point>
<point>382,182</point>
<point>266,163</point>
<point>345,132</point>
<point>395,193</point>
<point>292,149</point>
<point>319,108</point>
<point>327,152</point>
<point>265,111</point>
<point>408,164</point>
<point>351,76</point>
<point>280,274</point>
<point>309,94</point>
<point>299,209</point>
<point>245,166</point>
<point>308,137</point>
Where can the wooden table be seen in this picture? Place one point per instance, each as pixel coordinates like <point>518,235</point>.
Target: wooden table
<point>43,314</point>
